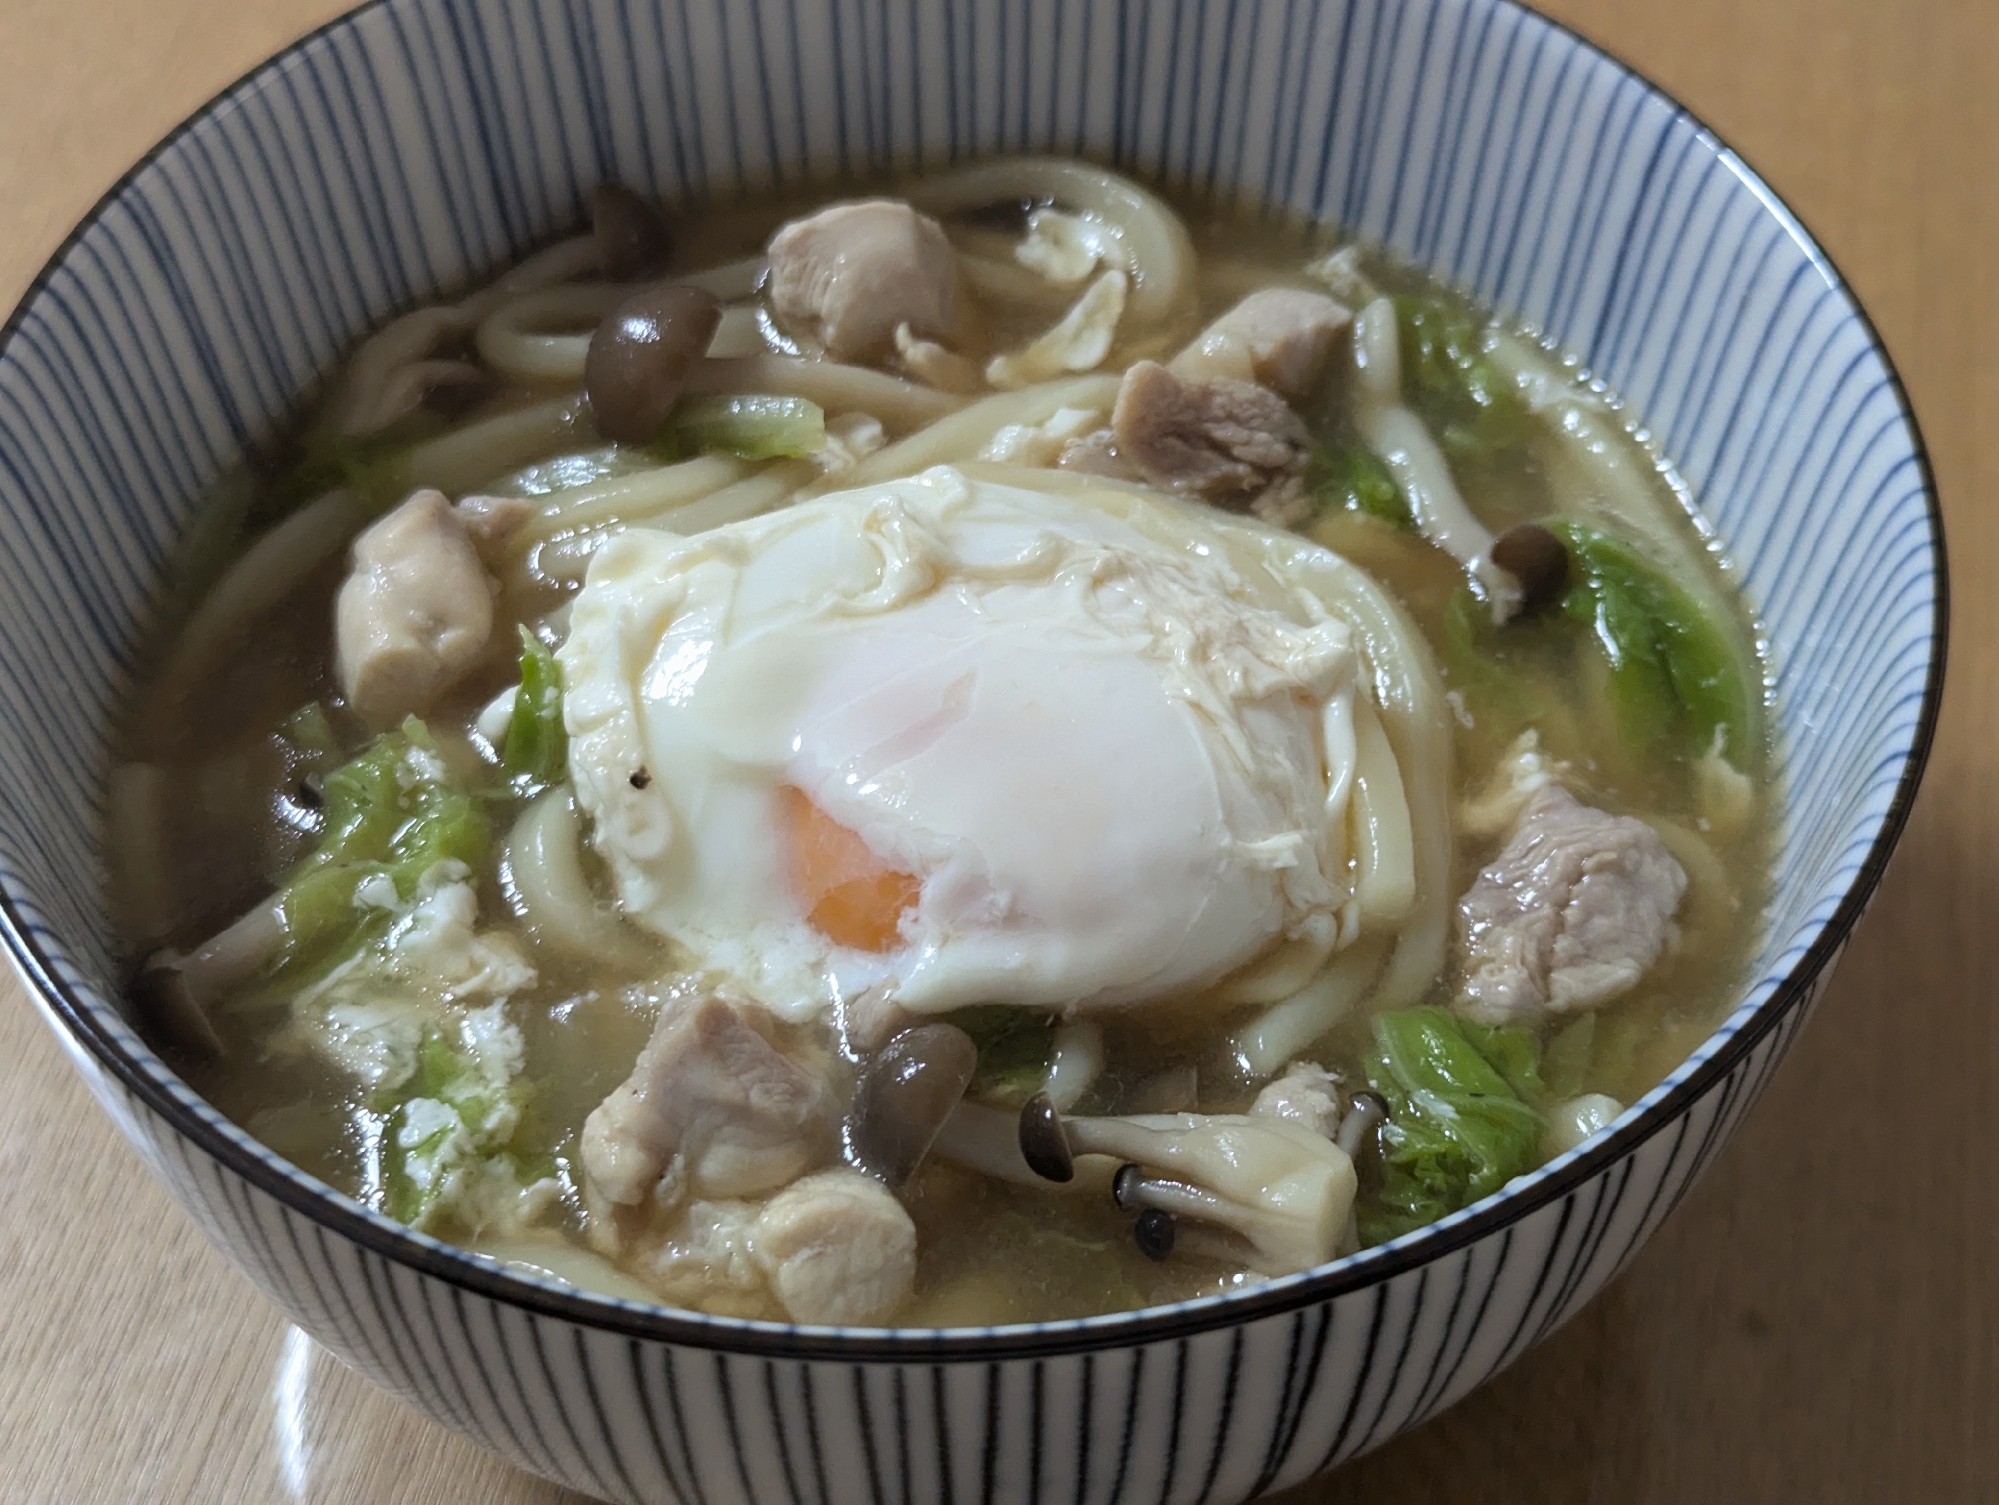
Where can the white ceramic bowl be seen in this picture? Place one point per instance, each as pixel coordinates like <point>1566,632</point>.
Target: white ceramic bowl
<point>416,141</point>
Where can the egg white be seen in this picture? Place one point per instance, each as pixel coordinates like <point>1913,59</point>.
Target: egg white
<point>1106,733</point>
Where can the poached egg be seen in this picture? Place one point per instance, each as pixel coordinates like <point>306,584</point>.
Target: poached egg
<point>950,741</point>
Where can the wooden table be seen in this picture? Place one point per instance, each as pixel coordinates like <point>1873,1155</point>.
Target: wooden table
<point>1820,1321</point>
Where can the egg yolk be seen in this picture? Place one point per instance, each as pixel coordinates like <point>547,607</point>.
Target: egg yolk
<point>849,895</point>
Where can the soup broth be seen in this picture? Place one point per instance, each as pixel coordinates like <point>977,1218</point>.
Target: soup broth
<point>423,958</point>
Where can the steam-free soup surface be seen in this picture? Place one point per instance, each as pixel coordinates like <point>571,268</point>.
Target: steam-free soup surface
<point>995,751</point>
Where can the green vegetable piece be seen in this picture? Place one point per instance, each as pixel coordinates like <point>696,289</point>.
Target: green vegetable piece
<point>1453,385</point>
<point>1674,673</point>
<point>1458,1127</point>
<point>748,427</point>
<point>391,812</point>
<point>308,733</point>
<point>1015,1048</point>
<point>1514,1052</point>
<point>536,751</point>
<point>1502,701</point>
<point>446,1150</point>
<point>369,467</point>
<point>1347,477</point>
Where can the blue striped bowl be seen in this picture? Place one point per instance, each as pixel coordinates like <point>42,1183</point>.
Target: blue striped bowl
<point>415,142</point>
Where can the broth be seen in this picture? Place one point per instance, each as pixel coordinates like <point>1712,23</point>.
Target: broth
<point>222,787</point>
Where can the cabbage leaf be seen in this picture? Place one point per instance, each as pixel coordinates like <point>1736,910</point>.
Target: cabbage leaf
<point>1459,1126</point>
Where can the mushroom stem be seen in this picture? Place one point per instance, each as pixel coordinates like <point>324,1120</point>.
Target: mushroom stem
<point>183,989</point>
<point>1078,1061</point>
<point>986,1140</point>
<point>906,1093</point>
<point>1368,1113</point>
<point>1284,1188</point>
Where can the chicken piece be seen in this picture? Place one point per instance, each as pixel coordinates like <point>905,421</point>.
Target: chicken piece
<point>1306,1094</point>
<point>1569,915</point>
<point>492,521</point>
<point>704,1261</point>
<point>1277,337</point>
<point>837,1248</point>
<point>848,275</point>
<point>1221,439</point>
<point>413,614</point>
<point>713,1109</point>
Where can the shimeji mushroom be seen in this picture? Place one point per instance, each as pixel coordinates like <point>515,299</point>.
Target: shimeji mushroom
<point>907,1090</point>
<point>1279,1188</point>
<point>182,989</point>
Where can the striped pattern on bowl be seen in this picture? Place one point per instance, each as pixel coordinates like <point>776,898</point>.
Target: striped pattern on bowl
<point>416,143</point>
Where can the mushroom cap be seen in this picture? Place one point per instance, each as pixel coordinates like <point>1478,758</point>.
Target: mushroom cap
<point>640,357</point>
<point>906,1091</point>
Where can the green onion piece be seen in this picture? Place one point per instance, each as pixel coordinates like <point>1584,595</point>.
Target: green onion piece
<point>749,427</point>
<point>536,751</point>
<point>370,467</point>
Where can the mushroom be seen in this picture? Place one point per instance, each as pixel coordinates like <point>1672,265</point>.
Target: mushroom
<point>1281,1189</point>
<point>640,357</point>
<point>631,235</point>
<point>906,1092</point>
<point>986,1139</point>
<point>1075,1062</point>
<point>1154,1233</point>
<point>1536,558</point>
<point>1357,1130</point>
<point>182,989</point>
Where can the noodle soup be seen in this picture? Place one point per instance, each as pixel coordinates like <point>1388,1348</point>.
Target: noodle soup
<point>986,749</point>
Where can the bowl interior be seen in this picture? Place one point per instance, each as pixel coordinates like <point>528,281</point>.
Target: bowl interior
<point>413,144</point>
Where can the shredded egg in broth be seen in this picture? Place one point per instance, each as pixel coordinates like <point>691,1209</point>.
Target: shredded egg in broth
<point>962,742</point>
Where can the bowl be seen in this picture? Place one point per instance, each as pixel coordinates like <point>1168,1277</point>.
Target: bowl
<point>415,142</point>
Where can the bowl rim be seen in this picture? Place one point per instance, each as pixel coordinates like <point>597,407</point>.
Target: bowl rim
<point>300,1193</point>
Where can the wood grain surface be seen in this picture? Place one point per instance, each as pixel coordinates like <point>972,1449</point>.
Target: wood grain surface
<point>1819,1322</point>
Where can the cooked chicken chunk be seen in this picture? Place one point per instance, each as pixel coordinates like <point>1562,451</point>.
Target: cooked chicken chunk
<point>1306,1094</point>
<point>492,521</point>
<point>837,1248</point>
<point>712,1109</point>
<point>415,611</point>
<point>704,1261</point>
<point>1277,337</point>
<point>1217,438</point>
<point>1569,915</point>
<point>847,276</point>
